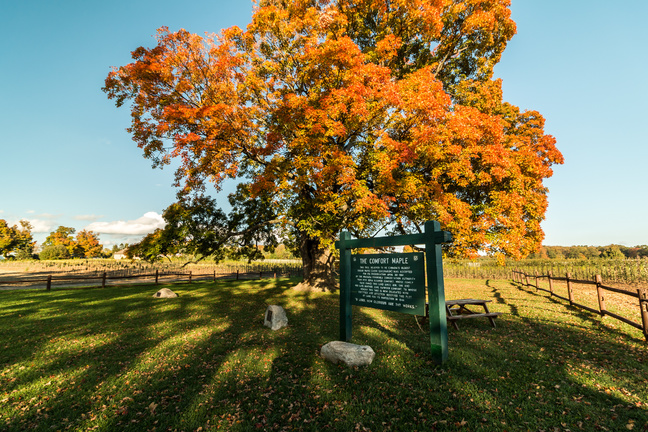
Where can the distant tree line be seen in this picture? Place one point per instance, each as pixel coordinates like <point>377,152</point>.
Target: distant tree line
<point>194,231</point>
<point>590,252</point>
<point>17,242</point>
<point>189,235</point>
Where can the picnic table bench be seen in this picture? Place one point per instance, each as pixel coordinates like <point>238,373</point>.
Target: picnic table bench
<point>458,309</point>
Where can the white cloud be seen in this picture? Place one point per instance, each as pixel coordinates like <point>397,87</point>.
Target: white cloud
<point>141,226</point>
<point>41,226</point>
<point>41,223</point>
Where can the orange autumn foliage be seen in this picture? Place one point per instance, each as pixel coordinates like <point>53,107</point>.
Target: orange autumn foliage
<point>352,115</point>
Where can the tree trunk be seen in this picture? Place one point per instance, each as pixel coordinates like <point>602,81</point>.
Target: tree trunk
<point>319,266</point>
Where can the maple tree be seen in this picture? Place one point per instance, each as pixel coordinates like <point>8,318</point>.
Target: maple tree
<point>87,245</point>
<point>362,115</point>
<point>63,236</point>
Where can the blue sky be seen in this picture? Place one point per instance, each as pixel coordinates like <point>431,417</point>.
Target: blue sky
<point>66,158</point>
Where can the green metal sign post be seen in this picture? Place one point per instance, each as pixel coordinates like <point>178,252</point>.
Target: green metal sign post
<point>396,281</point>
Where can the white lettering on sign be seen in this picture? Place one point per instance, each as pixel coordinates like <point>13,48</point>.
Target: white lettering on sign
<point>394,282</point>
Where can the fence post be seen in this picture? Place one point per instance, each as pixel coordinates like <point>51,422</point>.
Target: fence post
<point>535,272</point>
<point>214,275</point>
<point>157,274</point>
<point>189,276</point>
<point>103,280</point>
<point>550,283</point>
<point>49,282</point>
<point>569,290</point>
<point>237,274</point>
<point>261,275</point>
<point>526,279</point>
<point>599,294</point>
<point>643,305</point>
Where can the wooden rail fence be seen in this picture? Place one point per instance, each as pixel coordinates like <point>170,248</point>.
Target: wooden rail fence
<point>641,294</point>
<point>105,278</point>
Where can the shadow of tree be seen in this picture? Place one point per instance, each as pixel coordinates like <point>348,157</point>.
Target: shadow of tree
<point>121,360</point>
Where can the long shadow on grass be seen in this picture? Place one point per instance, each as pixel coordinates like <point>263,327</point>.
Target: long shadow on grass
<point>583,315</point>
<point>76,348</point>
<point>129,362</point>
<point>499,298</point>
<point>530,373</point>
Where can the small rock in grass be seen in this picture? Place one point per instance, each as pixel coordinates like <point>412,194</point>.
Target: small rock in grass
<point>275,317</point>
<point>165,293</point>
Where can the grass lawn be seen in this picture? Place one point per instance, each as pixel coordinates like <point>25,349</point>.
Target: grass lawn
<point>117,359</point>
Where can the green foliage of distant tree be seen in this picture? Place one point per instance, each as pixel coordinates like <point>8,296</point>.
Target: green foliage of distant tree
<point>8,240</point>
<point>581,252</point>
<point>84,245</point>
<point>16,240</point>
<point>197,228</point>
<point>637,252</point>
<point>63,236</point>
<point>280,252</point>
<point>612,252</point>
<point>54,252</point>
<point>119,247</point>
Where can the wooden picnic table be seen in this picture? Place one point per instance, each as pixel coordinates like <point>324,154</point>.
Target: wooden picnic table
<point>458,309</point>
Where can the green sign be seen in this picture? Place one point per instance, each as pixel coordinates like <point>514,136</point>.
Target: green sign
<point>389,281</point>
<point>389,288</point>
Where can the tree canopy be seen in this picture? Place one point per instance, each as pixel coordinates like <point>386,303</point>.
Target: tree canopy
<point>363,115</point>
<point>197,228</point>
<point>84,245</point>
<point>16,240</point>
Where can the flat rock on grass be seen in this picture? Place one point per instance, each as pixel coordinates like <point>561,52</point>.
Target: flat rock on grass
<point>348,353</point>
<point>165,293</point>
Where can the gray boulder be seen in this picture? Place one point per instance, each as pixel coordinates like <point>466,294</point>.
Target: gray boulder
<point>165,293</point>
<point>348,353</point>
<point>275,317</point>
